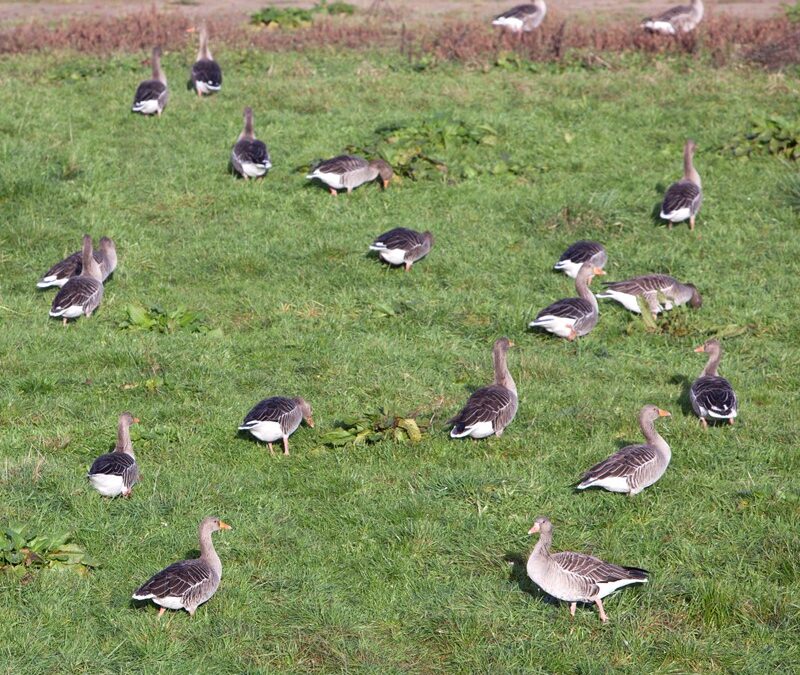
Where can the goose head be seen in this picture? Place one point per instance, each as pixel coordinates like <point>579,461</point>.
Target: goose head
<point>384,170</point>
<point>305,409</point>
<point>541,525</point>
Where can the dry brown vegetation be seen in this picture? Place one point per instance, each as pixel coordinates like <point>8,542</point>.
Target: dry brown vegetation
<point>772,42</point>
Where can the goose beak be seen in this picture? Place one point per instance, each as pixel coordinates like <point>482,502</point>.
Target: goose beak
<point>191,29</point>
<point>136,420</point>
<point>386,183</point>
<point>700,349</point>
<point>599,270</point>
<point>511,344</point>
<point>534,529</point>
<point>310,421</point>
<point>664,413</point>
<point>224,526</point>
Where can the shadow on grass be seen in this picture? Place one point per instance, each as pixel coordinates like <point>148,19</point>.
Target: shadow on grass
<point>519,576</point>
<point>683,399</point>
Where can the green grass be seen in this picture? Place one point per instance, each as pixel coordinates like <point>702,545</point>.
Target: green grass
<point>392,557</point>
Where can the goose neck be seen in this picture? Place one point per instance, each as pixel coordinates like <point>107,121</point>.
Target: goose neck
<point>207,551</point>
<point>689,172</point>
<point>582,288</point>
<point>502,376</point>
<point>713,363</point>
<point>653,438</point>
<point>124,443</point>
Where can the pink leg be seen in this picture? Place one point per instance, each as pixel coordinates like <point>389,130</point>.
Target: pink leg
<point>408,266</point>
<point>603,616</point>
<point>572,607</point>
<point>730,421</point>
<point>64,321</point>
<point>271,451</point>
<point>285,445</point>
<point>333,191</point>
<point>691,222</point>
<point>572,335</point>
<point>703,423</point>
<point>161,611</point>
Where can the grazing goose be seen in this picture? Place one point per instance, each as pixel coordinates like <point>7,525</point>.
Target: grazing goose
<point>683,199</point>
<point>348,172</point>
<point>152,95</point>
<point>402,246</point>
<point>490,409</point>
<point>580,252</point>
<point>680,19</point>
<point>654,289</point>
<point>187,584</point>
<point>277,418</point>
<point>72,265</point>
<point>522,18</point>
<point>250,157</point>
<point>116,472</point>
<point>635,467</point>
<point>81,294</point>
<point>576,577</point>
<point>712,395</point>
<point>206,73</point>
<point>572,317</point>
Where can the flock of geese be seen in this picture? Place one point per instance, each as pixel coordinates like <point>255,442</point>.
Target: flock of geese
<point>568,576</point>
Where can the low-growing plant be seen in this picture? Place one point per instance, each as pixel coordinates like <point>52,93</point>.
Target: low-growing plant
<point>774,134</point>
<point>295,17</point>
<point>380,426</point>
<point>22,550</point>
<point>792,12</point>
<point>157,319</point>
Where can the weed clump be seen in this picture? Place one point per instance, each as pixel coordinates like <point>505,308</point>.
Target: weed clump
<point>770,134</point>
<point>22,550</point>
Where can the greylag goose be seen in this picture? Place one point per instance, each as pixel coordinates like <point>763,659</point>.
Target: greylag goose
<point>81,294</point>
<point>576,577</point>
<point>680,19</point>
<point>72,265</point>
<point>347,172</point>
<point>683,198</point>
<point>635,467</point>
<point>654,289</point>
<point>250,157</point>
<point>711,394</point>
<point>206,73</point>
<point>572,317</point>
<point>402,246</point>
<point>522,18</point>
<point>277,418</point>
<point>187,584</point>
<point>580,252</point>
<point>116,472</point>
<point>152,95</point>
<point>490,409</point>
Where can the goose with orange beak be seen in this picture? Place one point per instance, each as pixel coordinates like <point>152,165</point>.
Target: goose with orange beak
<point>187,584</point>
<point>116,472</point>
<point>572,317</point>
<point>711,395</point>
<point>635,467</point>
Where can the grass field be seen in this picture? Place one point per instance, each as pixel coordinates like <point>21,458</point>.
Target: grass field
<point>395,557</point>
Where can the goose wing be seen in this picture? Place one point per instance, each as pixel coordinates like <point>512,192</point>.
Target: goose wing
<point>568,308</point>
<point>112,464</point>
<point>682,195</point>
<point>251,151</point>
<point>520,12</point>
<point>494,404</point>
<point>594,570</point>
<point>649,283</point>
<point>208,72</point>
<point>399,237</point>
<point>149,90</point>
<point>180,580</point>
<point>280,409</point>
<point>715,395</point>
<point>64,269</point>
<point>672,13</point>
<point>622,464</point>
<point>581,251</point>
<point>78,291</point>
<point>341,165</point>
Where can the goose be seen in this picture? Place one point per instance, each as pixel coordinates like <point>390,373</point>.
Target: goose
<point>81,294</point>
<point>277,418</point>
<point>116,472</point>
<point>348,172</point>
<point>250,157</point>
<point>72,265</point>
<point>152,95</point>
<point>635,467</point>
<point>522,18</point>
<point>576,577</point>
<point>683,198</point>
<point>572,317</point>
<point>580,252</point>
<point>187,584</point>
<point>680,19</point>
<point>402,246</point>
<point>654,289</point>
<point>206,74</point>
<point>490,409</point>
<point>711,394</point>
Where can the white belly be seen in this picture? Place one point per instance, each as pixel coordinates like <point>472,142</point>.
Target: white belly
<point>253,170</point>
<point>71,312</point>
<point>205,88</point>
<point>106,485</point>
<point>509,23</point>
<point>393,256</point>
<point>608,587</point>
<point>170,602</point>
<point>479,430</point>
<point>268,432</point>
<point>47,282</point>
<point>677,216</point>
<point>332,179</point>
<point>149,107</point>
<point>612,484</point>
<point>663,27</point>
<point>555,324</point>
<point>628,301</point>
<point>568,267</point>
<point>719,416</point>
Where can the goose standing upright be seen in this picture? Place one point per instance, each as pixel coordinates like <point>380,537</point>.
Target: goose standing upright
<point>402,246</point>
<point>116,472</point>
<point>680,19</point>
<point>576,577</point>
<point>580,252</point>
<point>277,418</point>
<point>635,467</point>
<point>572,317</point>
<point>654,289</point>
<point>72,265</point>
<point>152,95</point>
<point>522,18</point>
<point>711,394</point>
<point>187,584</point>
<point>250,157</point>
<point>490,409</point>
<point>206,73</point>
<point>347,172</point>
<point>683,199</point>
<point>81,294</point>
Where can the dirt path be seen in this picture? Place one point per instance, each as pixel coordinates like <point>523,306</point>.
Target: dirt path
<point>409,10</point>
